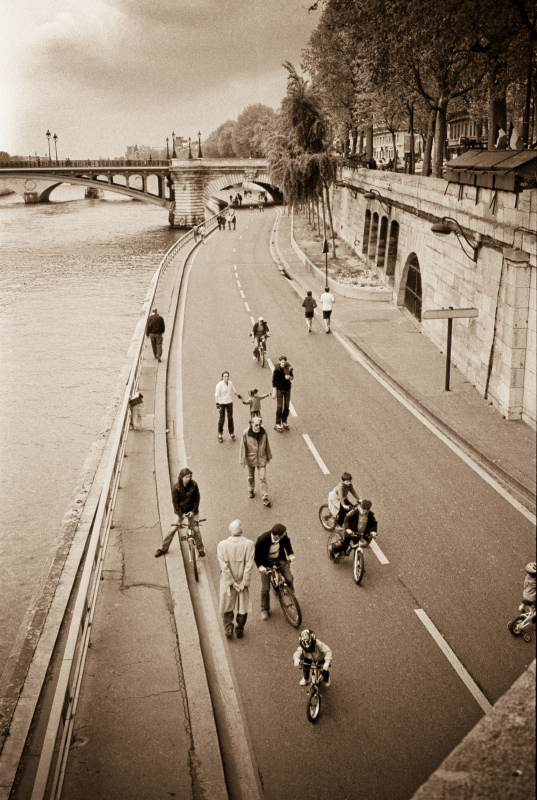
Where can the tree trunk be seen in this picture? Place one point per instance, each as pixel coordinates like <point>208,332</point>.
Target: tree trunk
<point>394,140</point>
<point>354,134</point>
<point>411,130</point>
<point>440,138</point>
<point>497,111</point>
<point>324,213</point>
<point>334,254</point>
<point>426,168</point>
<point>361,143</point>
<point>369,142</point>
<point>318,216</point>
<point>527,105</point>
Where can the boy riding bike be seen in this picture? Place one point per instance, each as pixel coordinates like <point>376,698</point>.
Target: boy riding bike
<point>529,591</point>
<point>259,330</point>
<point>338,503</point>
<point>312,649</point>
<point>359,523</point>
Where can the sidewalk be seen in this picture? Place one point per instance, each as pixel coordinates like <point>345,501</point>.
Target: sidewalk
<point>391,342</point>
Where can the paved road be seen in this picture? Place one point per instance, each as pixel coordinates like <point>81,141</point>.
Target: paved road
<point>455,548</point>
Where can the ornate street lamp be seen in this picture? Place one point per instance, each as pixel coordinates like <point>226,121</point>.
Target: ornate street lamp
<point>167,148</point>
<point>174,154</point>
<point>200,154</point>
<point>56,147</point>
<point>444,228</point>
<point>189,148</point>
<point>48,139</point>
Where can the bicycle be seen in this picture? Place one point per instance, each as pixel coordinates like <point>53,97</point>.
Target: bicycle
<point>523,621</point>
<point>193,554</point>
<point>358,545</point>
<point>286,596</point>
<point>261,350</point>
<point>313,703</point>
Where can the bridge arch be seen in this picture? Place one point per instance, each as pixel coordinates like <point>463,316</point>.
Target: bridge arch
<point>232,179</point>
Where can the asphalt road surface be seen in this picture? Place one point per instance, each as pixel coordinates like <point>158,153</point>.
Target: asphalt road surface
<point>455,548</point>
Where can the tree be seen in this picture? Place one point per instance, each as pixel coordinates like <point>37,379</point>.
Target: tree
<point>254,127</point>
<point>219,144</point>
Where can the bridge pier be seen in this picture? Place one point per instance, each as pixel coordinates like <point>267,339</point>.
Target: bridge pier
<point>188,188</point>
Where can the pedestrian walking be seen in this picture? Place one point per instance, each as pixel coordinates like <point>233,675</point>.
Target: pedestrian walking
<point>196,232</point>
<point>224,404</point>
<point>234,220</point>
<point>155,329</point>
<point>221,222</point>
<point>309,304</point>
<point>281,391</point>
<point>236,559</point>
<point>254,401</point>
<point>255,454</point>
<point>327,301</point>
<point>273,549</point>
<point>186,503</point>
<point>201,230</point>
<point>230,218</point>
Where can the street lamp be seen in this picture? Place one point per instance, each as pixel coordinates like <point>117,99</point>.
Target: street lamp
<point>167,149</point>
<point>189,148</point>
<point>200,154</point>
<point>325,251</point>
<point>442,228</point>
<point>48,139</point>
<point>174,154</point>
<point>372,194</point>
<point>56,147</point>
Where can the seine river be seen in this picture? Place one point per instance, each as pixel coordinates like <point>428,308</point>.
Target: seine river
<point>73,277</point>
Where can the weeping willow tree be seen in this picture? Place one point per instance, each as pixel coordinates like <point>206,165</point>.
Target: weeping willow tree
<point>300,162</point>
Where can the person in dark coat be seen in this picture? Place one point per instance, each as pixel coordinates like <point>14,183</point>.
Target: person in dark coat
<point>186,503</point>
<point>155,329</point>
<point>309,304</point>
<point>273,548</point>
<point>359,523</point>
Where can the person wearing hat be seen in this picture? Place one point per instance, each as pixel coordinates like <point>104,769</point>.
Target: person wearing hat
<point>273,548</point>
<point>260,329</point>
<point>236,559</point>
<point>155,329</point>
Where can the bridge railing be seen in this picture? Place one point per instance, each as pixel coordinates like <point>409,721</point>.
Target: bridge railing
<point>45,163</point>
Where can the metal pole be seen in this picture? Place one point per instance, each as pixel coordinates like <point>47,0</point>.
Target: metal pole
<point>326,269</point>
<point>448,352</point>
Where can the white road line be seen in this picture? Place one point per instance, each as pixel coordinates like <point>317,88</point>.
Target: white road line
<point>454,661</point>
<point>243,295</point>
<point>292,410</point>
<point>252,320</point>
<point>238,283</point>
<point>452,446</point>
<point>316,455</point>
<point>271,365</point>
<point>246,305</point>
<point>378,552</point>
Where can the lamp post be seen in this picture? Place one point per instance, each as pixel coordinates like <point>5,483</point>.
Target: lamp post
<point>56,147</point>
<point>48,139</point>
<point>167,148</point>
<point>325,251</point>
<point>444,228</point>
<point>174,154</point>
<point>200,154</point>
<point>189,148</point>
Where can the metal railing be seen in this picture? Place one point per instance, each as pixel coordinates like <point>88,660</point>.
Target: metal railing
<point>111,163</point>
<point>53,759</point>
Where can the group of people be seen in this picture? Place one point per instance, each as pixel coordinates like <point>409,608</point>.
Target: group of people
<point>230,218</point>
<point>309,304</point>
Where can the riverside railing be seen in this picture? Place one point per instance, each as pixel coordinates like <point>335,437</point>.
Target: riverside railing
<point>42,163</point>
<point>54,753</point>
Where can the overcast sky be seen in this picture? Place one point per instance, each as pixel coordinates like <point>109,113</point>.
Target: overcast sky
<point>104,74</point>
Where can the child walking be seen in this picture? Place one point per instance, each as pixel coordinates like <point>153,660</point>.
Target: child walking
<point>254,401</point>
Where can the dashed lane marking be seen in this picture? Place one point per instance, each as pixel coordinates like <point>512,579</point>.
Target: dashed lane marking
<point>316,455</point>
<point>243,295</point>
<point>454,661</point>
<point>246,305</point>
<point>238,283</point>
<point>252,320</point>
<point>378,552</point>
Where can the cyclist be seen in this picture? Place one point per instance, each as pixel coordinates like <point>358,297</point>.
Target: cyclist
<point>359,523</point>
<point>186,503</point>
<point>528,594</point>
<point>260,329</point>
<point>338,504</point>
<point>273,549</point>
<point>312,649</point>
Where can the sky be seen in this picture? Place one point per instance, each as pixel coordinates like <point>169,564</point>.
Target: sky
<point>104,74</point>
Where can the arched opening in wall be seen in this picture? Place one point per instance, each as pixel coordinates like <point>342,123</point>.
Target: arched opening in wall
<point>383,235</point>
<point>413,295</point>
<point>367,228</point>
<point>392,251</point>
<point>373,240</point>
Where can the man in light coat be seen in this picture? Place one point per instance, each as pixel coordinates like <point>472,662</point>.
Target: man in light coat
<point>236,559</point>
<point>255,452</point>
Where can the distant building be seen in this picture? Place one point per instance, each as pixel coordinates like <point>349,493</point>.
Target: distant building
<point>463,132</point>
<point>383,150</point>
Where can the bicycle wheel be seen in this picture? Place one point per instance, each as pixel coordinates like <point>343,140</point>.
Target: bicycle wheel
<point>262,357</point>
<point>313,705</point>
<point>327,520</point>
<point>290,606</point>
<point>193,557</point>
<point>359,565</point>
<point>334,538</point>
<point>515,626</point>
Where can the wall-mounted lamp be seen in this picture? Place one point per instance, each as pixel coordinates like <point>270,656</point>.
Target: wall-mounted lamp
<point>524,230</point>
<point>442,228</point>
<point>372,194</point>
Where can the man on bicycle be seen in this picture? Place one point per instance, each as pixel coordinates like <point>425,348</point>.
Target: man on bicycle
<point>186,503</point>
<point>359,523</point>
<point>273,549</point>
<point>259,330</point>
<point>338,504</point>
<point>312,649</point>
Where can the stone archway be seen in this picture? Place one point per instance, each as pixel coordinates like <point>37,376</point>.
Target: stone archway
<point>383,236</point>
<point>410,291</point>
<point>392,251</point>
<point>373,239</point>
<point>367,228</point>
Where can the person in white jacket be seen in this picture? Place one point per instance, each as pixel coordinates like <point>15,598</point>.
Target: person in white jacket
<point>312,649</point>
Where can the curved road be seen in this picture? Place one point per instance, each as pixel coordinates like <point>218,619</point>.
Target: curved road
<point>396,706</point>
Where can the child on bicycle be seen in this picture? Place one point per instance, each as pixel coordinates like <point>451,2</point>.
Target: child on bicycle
<point>312,649</point>
<point>359,523</point>
<point>254,401</point>
<point>338,503</point>
<point>528,593</point>
<point>260,328</point>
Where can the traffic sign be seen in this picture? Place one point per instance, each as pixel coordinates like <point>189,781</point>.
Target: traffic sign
<point>450,313</point>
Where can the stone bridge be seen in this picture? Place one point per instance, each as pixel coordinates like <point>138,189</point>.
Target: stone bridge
<point>185,188</point>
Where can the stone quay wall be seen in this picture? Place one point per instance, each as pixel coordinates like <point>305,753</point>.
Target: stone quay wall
<point>496,351</point>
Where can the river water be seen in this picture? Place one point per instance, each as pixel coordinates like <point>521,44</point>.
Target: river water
<point>73,277</point>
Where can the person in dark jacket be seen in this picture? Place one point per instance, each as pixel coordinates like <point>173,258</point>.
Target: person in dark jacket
<point>273,548</point>
<point>186,503</point>
<point>155,329</point>
<point>309,304</point>
<point>359,523</point>
<point>281,392</point>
